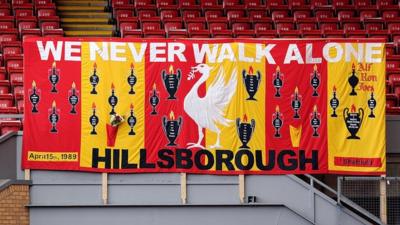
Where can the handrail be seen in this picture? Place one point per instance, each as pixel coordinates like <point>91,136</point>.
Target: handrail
<point>12,116</point>
<point>340,198</point>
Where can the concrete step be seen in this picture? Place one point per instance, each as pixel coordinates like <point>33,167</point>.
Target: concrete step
<point>88,33</point>
<point>85,20</point>
<point>81,3</point>
<point>68,14</point>
<point>81,8</point>
<point>70,27</point>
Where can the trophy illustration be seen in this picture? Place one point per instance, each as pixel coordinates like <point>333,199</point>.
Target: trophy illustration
<point>245,130</point>
<point>131,121</point>
<point>171,81</point>
<point>154,100</point>
<point>277,121</point>
<point>73,98</point>
<point>372,104</point>
<point>34,97</point>
<point>171,128</point>
<point>54,77</point>
<point>353,80</point>
<point>53,117</point>
<point>334,102</point>
<point>251,82</point>
<point>94,80</point>
<point>315,81</point>
<point>94,120</point>
<point>112,100</point>
<point>315,121</point>
<point>353,121</point>
<point>278,81</point>
<point>132,80</point>
<point>296,103</point>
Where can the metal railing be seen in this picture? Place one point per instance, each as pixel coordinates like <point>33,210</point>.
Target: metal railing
<point>342,199</point>
<point>378,195</point>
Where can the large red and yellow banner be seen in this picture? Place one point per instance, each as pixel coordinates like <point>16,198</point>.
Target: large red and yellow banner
<point>218,106</point>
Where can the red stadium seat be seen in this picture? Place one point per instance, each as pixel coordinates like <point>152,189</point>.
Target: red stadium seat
<point>6,100</point>
<point>16,77</point>
<point>119,2</point>
<point>210,5</point>
<point>14,62</point>
<point>261,27</point>
<point>4,87</point>
<point>393,64</point>
<point>3,73</point>
<point>244,33</point>
<point>311,33</point>
<point>26,33</point>
<point>51,25</point>
<point>289,33</point>
<point>355,34</point>
<point>217,26</point>
<point>5,12</point>
<point>257,15</point>
<point>144,5</point>
<point>166,4</point>
<point>368,14</point>
<point>10,126</point>
<point>151,26</point>
<point>284,26</point>
<point>8,35</point>
<point>240,27</point>
<point>136,33</point>
<point>168,26</point>
<point>279,15</point>
<point>301,15</point>
<point>46,12</point>
<point>199,34</point>
<point>213,14</point>
<point>273,5</point>
<point>306,25</point>
<point>53,33</point>
<point>154,34</point>
<point>390,49</point>
<point>384,5</point>
<point>188,5</point>
<point>179,33</point>
<point>323,14</point>
<point>231,4</point>
<point>8,110</point>
<point>391,14</point>
<point>195,26</point>
<point>296,5</point>
<point>221,33</point>
<point>190,14</point>
<point>11,48</point>
<point>333,33</point>
<point>251,5</point>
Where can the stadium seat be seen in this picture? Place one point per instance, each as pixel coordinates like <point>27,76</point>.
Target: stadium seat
<point>5,87</point>
<point>9,126</point>
<point>6,100</point>
<point>53,33</point>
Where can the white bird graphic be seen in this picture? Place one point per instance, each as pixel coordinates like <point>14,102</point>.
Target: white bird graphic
<point>209,110</point>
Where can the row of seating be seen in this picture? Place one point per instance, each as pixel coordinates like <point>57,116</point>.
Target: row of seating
<point>20,19</point>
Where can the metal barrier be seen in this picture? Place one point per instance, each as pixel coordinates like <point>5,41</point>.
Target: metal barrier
<point>378,195</point>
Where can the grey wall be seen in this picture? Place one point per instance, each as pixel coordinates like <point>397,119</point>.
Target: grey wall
<point>10,156</point>
<point>392,134</point>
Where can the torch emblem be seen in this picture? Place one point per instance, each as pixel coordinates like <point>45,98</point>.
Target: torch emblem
<point>94,80</point>
<point>315,81</point>
<point>372,104</point>
<point>315,121</point>
<point>334,102</point>
<point>94,120</point>
<point>171,81</point>
<point>296,103</point>
<point>34,97</point>
<point>154,100</point>
<point>171,128</point>
<point>132,80</point>
<point>53,117</point>
<point>277,122</point>
<point>54,77</point>
<point>278,81</point>
<point>73,98</point>
<point>113,99</point>
<point>353,80</point>
<point>251,82</point>
<point>245,130</point>
<point>131,121</point>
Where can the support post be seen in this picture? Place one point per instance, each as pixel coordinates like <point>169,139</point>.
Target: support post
<point>382,196</point>
<point>241,188</point>
<point>27,173</point>
<point>183,188</point>
<point>104,188</point>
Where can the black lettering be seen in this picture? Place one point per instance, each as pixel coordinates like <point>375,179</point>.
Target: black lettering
<point>115,159</point>
<point>292,162</point>
<point>184,155</point>
<point>313,160</point>
<point>239,159</point>
<point>165,159</point>
<point>143,160</point>
<point>124,161</point>
<point>224,157</point>
<point>208,158</point>
<point>96,158</point>
<point>271,160</point>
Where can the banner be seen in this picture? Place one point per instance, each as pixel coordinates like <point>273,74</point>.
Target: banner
<point>214,106</point>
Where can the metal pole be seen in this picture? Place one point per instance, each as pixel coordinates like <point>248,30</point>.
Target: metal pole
<point>339,189</point>
<point>382,196</point>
